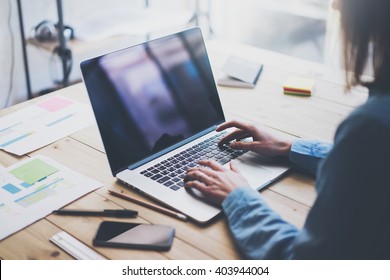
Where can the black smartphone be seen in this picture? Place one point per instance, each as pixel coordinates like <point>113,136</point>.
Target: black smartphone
<point>136,236</point>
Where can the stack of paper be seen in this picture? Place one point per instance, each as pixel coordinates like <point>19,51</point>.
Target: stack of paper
<point>298,86</point>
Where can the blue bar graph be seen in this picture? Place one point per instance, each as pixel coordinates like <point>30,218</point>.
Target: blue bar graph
<point>59,120</point>
<point>15,140</point>
<point>11,188</point>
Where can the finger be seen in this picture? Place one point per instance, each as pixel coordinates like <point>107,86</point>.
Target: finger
<point>235,135</point>
<point>226,125</point>
<point>194,175</point>
<point>206,171</point>
<point>212,164</point>
<point>207,192</point>
<point>233,167</point>
<point>246,146</point>
<point>197,185</point>
<point>202,175</point>
<point>241,125</point>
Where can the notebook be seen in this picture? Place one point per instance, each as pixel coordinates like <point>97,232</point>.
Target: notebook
<point>156,105</point>
<point>240,72</point>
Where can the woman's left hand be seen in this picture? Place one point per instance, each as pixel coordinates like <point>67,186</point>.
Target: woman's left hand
<point>216,181</point>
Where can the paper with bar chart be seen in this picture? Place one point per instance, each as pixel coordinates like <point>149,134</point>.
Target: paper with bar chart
<point>43,123</point>
<point>33,188</point>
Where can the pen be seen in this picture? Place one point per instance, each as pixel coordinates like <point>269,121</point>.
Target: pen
<point>150,206</point>
<point>120,213</point>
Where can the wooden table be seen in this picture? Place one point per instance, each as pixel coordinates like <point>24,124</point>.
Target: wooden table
<point>310,117</point>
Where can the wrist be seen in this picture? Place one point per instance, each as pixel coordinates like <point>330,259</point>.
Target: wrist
<point>285,148</point>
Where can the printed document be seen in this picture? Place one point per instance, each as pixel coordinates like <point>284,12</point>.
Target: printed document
<point>33,188</point>
<point>43,123</point>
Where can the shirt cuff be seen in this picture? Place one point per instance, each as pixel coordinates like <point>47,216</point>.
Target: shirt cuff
<point>239,198</point>
<point>307,154</point>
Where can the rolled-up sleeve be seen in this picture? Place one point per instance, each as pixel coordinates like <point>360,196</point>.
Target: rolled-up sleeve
<point>349,219</point>
<point>253,222</point>
<point>259,232</point>
<point>306,154</point>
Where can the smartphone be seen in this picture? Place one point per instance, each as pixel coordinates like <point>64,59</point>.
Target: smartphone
<point>133,235</point>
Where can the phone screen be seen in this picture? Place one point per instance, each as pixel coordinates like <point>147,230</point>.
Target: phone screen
<point>132,235</point>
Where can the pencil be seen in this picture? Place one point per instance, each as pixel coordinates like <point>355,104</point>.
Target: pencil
<point>150,206</point>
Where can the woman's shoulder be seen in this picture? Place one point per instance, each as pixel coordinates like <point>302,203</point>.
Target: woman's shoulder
<point>367,123</point>
<point>375,110</point>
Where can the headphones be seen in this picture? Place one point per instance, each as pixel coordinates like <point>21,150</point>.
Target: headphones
<point>47,31</point>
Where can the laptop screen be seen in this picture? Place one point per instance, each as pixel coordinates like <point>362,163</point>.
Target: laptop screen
<point>152,96</point>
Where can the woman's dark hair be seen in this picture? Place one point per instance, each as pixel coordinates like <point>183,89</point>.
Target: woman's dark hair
<point>366,30</point>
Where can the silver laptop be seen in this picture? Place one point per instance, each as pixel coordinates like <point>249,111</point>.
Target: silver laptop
<point>157,106</point>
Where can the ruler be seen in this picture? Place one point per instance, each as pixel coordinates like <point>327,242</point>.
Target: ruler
<point>75,248</point>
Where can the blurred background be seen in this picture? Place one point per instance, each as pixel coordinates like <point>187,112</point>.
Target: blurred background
<point>303,28</point>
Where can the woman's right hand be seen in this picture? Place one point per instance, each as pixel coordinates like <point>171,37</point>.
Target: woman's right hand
<point>263,143</point>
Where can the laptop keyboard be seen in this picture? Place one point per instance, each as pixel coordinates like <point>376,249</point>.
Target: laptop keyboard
<point>171,172</point>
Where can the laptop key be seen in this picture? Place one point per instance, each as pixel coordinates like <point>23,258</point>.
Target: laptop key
<point>177,165</point>
<point>168,184</point>
<point>156,177</point>
<point>175,188</point>
<point>223,160</point>
<point>163,179</point>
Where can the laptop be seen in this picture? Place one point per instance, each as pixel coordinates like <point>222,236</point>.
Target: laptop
<point>157,106</point>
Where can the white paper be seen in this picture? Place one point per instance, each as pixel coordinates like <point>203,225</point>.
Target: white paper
<point>21,203</point>
<point>43,123</point>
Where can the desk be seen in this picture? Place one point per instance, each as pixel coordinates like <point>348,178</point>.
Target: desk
<point>313,117</point>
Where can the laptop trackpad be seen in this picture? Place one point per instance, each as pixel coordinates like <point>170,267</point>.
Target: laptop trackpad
<point>256,175</point>
<point>260,171</point>
<point>198,195</point>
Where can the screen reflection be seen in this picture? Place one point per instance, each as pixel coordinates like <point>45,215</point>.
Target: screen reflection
<point>151,96</point>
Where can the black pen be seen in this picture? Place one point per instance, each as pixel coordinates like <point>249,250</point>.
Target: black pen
<point>120,213</point>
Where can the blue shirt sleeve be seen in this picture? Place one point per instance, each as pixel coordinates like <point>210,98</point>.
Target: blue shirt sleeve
<point>347,221</point>
<point>251,220</point>
<point>306,155</point>
<point>259,232</point>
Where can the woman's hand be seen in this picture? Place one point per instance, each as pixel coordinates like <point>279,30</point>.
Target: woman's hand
<point>263,142</point>
<point>215,181</point>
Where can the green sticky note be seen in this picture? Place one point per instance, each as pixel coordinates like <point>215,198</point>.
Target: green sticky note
<point>33,171</point>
